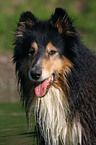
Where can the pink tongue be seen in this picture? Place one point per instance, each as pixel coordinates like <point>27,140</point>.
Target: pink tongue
<point>41,89</point>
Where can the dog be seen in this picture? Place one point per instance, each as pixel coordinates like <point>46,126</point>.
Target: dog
<point>57,79</point>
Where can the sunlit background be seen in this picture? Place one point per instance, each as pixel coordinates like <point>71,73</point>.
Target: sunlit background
<point>12,118</point>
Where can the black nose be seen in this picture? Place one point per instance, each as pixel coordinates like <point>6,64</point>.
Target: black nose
<point>35,74</point>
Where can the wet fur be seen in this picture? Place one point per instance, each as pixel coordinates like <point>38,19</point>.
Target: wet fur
<point>67,113</point>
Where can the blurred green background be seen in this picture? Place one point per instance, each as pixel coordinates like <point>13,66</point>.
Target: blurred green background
<point>12,117</point>
<point>82,11</point>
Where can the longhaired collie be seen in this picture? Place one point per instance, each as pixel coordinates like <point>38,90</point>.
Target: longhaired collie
<point>57,79</point>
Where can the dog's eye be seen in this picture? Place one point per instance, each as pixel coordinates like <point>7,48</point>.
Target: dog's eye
<point>52,52</point>
<point>32,51</point>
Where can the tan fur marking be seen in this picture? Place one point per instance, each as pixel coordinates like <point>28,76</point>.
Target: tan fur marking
<point>22,27</point>
<point>55,65</point>
<point>66,64</point>
<point>29,23</point>
<point>51,47</point>
<point>57,24</point>
<point>34,45</point>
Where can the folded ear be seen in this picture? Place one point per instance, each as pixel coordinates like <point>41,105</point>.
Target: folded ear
<point>62,22</point>
<point>26,21</point>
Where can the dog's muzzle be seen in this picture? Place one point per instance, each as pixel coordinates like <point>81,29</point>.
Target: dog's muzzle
<point>41,87</point>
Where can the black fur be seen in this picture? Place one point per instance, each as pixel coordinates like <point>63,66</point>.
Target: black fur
<point>81,80</point>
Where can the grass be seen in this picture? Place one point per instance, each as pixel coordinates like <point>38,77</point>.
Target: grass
<point>13,126</point>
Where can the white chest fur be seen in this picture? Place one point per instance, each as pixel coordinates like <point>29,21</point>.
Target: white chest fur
<point>51,115</point>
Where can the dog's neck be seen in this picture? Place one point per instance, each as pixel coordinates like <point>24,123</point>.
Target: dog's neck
<point>51,115</point>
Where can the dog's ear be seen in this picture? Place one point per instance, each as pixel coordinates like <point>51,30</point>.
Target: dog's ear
<point>62,22</point>
<point>26,21</point>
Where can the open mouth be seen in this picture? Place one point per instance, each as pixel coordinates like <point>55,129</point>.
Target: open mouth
<point>42,88</point>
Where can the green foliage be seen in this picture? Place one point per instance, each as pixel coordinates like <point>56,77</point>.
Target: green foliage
<point>83,11</point>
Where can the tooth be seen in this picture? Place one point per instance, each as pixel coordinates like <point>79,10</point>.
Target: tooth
<point>52,77</point>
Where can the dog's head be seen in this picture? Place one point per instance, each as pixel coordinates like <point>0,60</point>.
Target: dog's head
<point>42,51</point>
